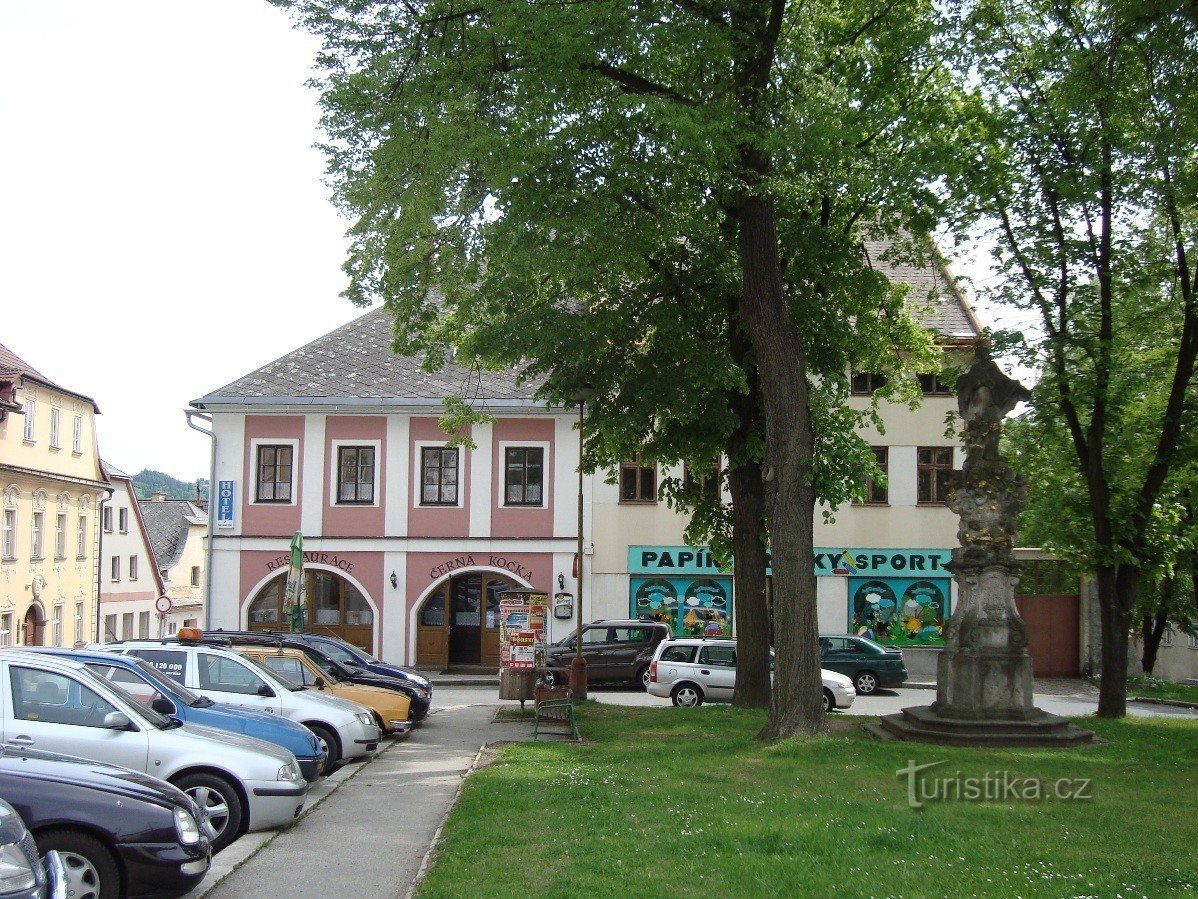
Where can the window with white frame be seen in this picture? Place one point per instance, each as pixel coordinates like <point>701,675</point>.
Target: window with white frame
<point>133,568</point>
<point>524,476</point>
<point>439,476</point>
<point>77,434</point>
<point>54,420</point>
<point>36,531</point>
<point>56,629</point>
<point>275,465</point>
<point>81,538</point>
<point>106,519</point>
<point>60,535</point>
<point>78,622</point>
<point>1167,638</point>
<point>115,565</point>
<point>355,475</point>
<point>123,520</point>
<point>6,629</point>
<point>30,415</point>
<point>10,534</point>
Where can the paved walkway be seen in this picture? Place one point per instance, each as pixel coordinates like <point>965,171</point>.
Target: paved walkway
<point>370,836</point>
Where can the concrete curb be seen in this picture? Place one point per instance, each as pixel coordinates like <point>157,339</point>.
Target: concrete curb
<point>1152,700</point>
<point>251,844</point>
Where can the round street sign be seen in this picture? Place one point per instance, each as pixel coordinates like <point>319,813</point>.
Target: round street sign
<point>163,605</point>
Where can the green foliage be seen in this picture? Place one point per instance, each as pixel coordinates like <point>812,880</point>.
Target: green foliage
<point>147,481</point>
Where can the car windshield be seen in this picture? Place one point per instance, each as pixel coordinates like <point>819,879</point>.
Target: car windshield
<point>169,684</point>
<point>160,721</point>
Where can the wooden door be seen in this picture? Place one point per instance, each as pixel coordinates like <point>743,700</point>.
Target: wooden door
<point>432,631</point>
<point>1053,638</point>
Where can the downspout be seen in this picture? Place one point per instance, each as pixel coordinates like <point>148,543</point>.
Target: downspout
<point>211,510</point>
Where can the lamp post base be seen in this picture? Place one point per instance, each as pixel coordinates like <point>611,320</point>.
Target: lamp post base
<point>578,678</point>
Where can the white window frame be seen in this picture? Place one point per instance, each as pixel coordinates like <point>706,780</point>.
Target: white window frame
<point>60,535</point>
<point>81,537</point>
<point>77,435</point>
<point>10,535</point>
<point>106,519</point>
<point>114,569</point>
<point>37,535</point>
<point>30,413</point>
<point>418,475</point>
<point>335,472</point>
<point>6,629</point>
<point>122,519</point>
<point>78,622</point>
<point>55,427</point>
<point>501,480</point>
<point>296,471</point>
<point>133,568</point>
<point>56,624</point>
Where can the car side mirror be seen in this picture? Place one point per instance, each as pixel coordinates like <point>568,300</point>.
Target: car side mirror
<point>117,721</point>
<point>319,683</point>
<point>265,690</point>
<point>163,706</point>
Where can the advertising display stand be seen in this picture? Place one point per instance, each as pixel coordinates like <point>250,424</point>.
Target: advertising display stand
<point>521,642</point>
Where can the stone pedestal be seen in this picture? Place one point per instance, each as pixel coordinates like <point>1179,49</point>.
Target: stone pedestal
<point>984,674</point>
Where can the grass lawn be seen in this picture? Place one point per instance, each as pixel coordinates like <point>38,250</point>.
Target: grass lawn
<point>684,802</point>
<point>1161,690</point>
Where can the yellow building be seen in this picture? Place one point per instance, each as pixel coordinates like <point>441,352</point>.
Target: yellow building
<point>53,490</point>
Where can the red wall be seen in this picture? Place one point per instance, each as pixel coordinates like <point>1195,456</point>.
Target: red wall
<point>353,521</point>
<point>518,521</point>
<point>272,519</point>
<point>437,521</point>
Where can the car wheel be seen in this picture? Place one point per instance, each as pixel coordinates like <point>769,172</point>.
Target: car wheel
<point>829,700</point>
<point>218,799</point>
<point>331,745</point>
<point>90,870</point>
<point>687,696</point>
<point>642,678</point>
<point>866,682</point>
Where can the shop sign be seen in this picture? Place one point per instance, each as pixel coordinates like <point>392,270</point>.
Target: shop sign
<point>467,560</point>
<point>674,560</point>
<point>225,494</point>
<point>313,558</point>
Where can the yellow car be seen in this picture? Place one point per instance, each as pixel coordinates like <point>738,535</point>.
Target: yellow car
<point>391,709</point>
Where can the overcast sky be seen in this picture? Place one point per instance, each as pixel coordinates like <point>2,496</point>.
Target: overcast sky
<point>164,227</point>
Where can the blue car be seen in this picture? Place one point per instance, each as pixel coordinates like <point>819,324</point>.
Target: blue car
<point>167,696</point>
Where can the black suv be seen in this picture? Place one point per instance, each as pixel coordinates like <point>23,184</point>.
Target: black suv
<point>618,650</point>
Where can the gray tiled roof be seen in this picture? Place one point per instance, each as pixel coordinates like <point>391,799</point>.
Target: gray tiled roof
<point>356,362</point>
<point>13,366</point>
<point>166,525</point>
<point>111,471</point>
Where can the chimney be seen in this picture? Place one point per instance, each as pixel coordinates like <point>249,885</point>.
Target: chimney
<point>158,496</point>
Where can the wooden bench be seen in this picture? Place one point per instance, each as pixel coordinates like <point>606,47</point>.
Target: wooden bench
<point>554,705</point>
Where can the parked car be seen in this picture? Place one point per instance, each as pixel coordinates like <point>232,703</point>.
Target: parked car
<point>324,653</point>
<point>22,874</point>
<point>116,832</point>
<point>167,696</point>
<point>347,729</point>
<point>694,670</point>
<point>58,705</point>
<point>868,664</point>
<point>292,664</point>
<point>617,650</point>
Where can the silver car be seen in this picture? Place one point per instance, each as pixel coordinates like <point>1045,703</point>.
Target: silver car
<point>695,670</point>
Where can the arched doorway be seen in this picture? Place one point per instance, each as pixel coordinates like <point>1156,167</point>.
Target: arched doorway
<point>35,625</point>
<point>469,633</point>
<point>332,605</point>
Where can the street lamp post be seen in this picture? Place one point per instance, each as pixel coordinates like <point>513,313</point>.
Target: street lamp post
<point>578,668</point>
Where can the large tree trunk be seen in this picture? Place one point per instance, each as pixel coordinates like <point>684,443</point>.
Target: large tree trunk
<point>1118,588</point>
<point>752,613</point>
<point>1155,626</point>
<point>796,707</point>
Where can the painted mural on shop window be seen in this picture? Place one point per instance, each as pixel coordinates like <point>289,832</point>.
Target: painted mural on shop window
<point>692,607</point>
<point>900,611</point>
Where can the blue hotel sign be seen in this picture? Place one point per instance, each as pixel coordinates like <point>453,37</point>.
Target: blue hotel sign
<point>226,494</point>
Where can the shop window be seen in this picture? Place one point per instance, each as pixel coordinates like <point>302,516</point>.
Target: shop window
<point>438,476</point>
<point>355,475</point>
<point>638,482</point>
<point>866,383</point>
<point>523,476</point>
<point>934,385</point>
<point>935,465</point>
<point>433,613</point>
<point>274,473</point>
<point>876,487</point>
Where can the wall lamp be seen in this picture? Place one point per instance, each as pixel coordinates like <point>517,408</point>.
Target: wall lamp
<point>394,581</point>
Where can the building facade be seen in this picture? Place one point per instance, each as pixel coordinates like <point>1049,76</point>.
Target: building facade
<point>53,491</point>
<point>130,582</point>
<point>178,534</point>
<point>409,540</point>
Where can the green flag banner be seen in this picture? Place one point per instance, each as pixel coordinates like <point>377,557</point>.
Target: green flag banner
<point>293,593</point>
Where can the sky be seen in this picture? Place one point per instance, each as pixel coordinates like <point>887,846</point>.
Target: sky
<point>164,225</point>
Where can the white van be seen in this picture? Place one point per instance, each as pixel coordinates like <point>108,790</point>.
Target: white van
<point>58,705</point>
<point>347,729</point>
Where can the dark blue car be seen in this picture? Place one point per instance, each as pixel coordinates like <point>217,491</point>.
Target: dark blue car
<point>169,697</point>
